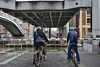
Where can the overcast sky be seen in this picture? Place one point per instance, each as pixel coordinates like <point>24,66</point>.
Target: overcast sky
<point>39,0</point>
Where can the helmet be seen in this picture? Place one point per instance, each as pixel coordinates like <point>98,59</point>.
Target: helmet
<point>71,28</point>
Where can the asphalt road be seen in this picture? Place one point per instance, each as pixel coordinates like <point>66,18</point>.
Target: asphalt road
<point>55,59</point>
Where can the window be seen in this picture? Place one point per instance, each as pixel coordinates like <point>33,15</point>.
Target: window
<point>25,29</point>
<point>20,25</point>
<point>4,28</point>
<point>88,20</point>
<point>88,12</point>
<point>14,20</point>
<point>83,31</point>
<point>88,29</point>
<point>25,24</point>
<point>83,18</point>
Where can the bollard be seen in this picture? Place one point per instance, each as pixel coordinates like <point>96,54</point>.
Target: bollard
<point>11,46</point>
<point>17,47</point>
<point>21,47</point>
<point>93,45</point>
<point>87,45</point>
<point>52,45</point>
<point>14,46</point>
<point>3,45</point>
<point>32,45</point>
<point>64,45</point>
<point>0,46</point>
<point>55,45</point>
<point>8,43</point>
<point>29,47</point>
<point>58,46</point>
<point>26,47</point>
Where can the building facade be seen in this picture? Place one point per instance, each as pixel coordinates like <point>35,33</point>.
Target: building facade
<point>82,22</point>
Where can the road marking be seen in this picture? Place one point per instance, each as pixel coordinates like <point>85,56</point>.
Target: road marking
<point>5,51</point>
<point>10,59</point>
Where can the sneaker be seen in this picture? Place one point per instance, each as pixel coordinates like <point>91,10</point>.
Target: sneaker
<point>78,62</point>
<point>68,60</point>
<point>45,57</point>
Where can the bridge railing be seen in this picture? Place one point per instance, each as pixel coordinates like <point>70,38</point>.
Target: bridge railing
<point>12,18</point>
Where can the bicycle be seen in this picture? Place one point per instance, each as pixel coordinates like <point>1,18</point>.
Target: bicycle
<point>38,56</point>
<point>73,56</point>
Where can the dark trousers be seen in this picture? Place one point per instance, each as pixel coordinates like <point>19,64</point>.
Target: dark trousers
<point>76,50</point>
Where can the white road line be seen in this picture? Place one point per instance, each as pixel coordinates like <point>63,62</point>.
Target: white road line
<point>6,51</point>
<point>10,59</point>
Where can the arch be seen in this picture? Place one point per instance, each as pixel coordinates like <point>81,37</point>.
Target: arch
<point>11,26</point>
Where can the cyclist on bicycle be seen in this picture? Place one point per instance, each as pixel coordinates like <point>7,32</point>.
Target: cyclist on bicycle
<point>72,36</point>
<point>39,32</point>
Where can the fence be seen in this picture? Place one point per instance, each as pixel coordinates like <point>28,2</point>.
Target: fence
<point>18,46</point>
<point>90,44</point>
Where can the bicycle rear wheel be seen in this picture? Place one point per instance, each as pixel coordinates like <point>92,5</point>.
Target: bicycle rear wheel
<point>74,61</point>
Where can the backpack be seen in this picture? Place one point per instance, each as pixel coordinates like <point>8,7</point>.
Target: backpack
<point>39,40</point>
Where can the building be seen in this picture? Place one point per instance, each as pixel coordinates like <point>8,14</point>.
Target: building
<point>27,29</point>
<point>4,32</point>
<point>82,22</point>
<point>85,23</point>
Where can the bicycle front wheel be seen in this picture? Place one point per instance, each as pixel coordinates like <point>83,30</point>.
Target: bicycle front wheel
<point>37,60</point>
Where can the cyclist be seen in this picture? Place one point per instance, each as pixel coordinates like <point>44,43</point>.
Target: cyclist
<point>72,36</point>
<point>39,32</point>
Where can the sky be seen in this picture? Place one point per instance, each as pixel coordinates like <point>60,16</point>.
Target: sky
<point>39,0</point>
<point>54,29</point>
